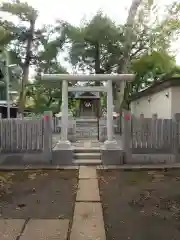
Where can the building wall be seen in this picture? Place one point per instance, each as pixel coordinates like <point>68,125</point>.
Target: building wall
<point>159,104</point>
<point>175,100</point>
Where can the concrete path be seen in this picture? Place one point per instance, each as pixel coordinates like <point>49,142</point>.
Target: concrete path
<point>88,221</point>
<point>34,229</point>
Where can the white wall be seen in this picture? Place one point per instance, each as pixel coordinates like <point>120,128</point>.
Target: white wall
<point>159,104</point>
<point>175,100</point>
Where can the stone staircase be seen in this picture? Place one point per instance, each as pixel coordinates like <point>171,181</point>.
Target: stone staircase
<point>86,129</point>
<point>87,153</point>
<point>87,156</point>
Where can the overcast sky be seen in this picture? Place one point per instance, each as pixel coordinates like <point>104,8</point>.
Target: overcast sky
<point>74,11</point>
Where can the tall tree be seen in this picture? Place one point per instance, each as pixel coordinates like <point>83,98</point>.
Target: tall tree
<point>22,35</point>
<point>120,46</point>
<point>127,48</point>
<point>128,36</point>
<point>157,37</point>
<point>94,46</point>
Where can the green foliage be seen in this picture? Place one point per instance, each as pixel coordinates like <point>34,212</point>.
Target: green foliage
<point>141,46</point>
<point>173,73</point>
<point>95,44</point>
<point>30,46</point>
<point>42,98</point>
<point>4,36</point>
<point>20,9</point>
<point>150,67</point>
<point>2,68</point>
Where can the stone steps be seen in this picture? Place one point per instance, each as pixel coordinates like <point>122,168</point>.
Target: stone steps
<point>87,155</point>
<point>87,162</point>
<point>86,124</point>
<point>86,150</point>
<point>87,135</point>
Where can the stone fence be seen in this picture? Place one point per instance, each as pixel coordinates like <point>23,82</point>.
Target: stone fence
<point>26,140</point>
<point>142,140</point>
<point>21,135</point>
<point>151,139</point>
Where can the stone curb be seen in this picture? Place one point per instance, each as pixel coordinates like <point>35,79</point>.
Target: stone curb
<point>140,167</point>
<point>37,167</point>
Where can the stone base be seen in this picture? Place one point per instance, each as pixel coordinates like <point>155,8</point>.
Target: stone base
<point>62,153</point>
<point>72,138</point>
<point>63,145</point>
<point>112,156</point>
<point>62,157</point>
<point>145,159</point>
<point>110,145</point>
<point>102,139</point>
<point>25,159</point>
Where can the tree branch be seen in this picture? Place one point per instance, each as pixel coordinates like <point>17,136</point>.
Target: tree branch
<point>137,51</point>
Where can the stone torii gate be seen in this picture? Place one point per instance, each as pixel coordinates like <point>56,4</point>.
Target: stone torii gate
<point>110,143</point>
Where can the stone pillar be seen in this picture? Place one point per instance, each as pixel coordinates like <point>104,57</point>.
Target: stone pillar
<point>109,111</point>
<point>48,135</point>
<point>110,143</point>
<point>64,111</point>
<point>64,143</point>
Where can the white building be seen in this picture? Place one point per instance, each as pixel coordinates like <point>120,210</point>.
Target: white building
<point>162,98</point>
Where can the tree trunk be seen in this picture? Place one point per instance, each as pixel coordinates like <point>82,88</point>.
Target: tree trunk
<point>26,67</point>
<point>97,62</point>
<point>122,68</point>
<point>123,63</point>
<point>49,102</point>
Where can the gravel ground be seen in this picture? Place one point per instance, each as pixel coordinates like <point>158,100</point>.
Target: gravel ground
<point>141,205</point>
<point>38,194</point>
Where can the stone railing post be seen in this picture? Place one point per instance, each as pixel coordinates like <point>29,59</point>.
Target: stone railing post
<point>154,131</point>
<point>126,139</point>
<point>20,115</point>
<point>47,146</point>
<point>176,142</point>
<point>71,130</point>
<point>74,130</point>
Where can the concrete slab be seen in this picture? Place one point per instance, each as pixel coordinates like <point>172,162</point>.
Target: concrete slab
<point>88,222</point>
<point>87,172</point>
<point>10,229</point>
<point>41,229</point>
<point>88,190</point>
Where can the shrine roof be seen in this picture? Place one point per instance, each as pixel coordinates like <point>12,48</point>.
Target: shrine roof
<point>87,95</point>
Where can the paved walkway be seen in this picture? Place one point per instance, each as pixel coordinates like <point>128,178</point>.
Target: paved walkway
<point>87,221</point>
<point>88,218</point>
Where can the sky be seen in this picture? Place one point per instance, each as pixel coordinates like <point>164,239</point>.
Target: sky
<point>74,11</point>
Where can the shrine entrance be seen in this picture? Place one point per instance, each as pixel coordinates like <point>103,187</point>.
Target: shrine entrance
<point>87,115</point>
<point>110,143</point>
<point>87,104</point>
